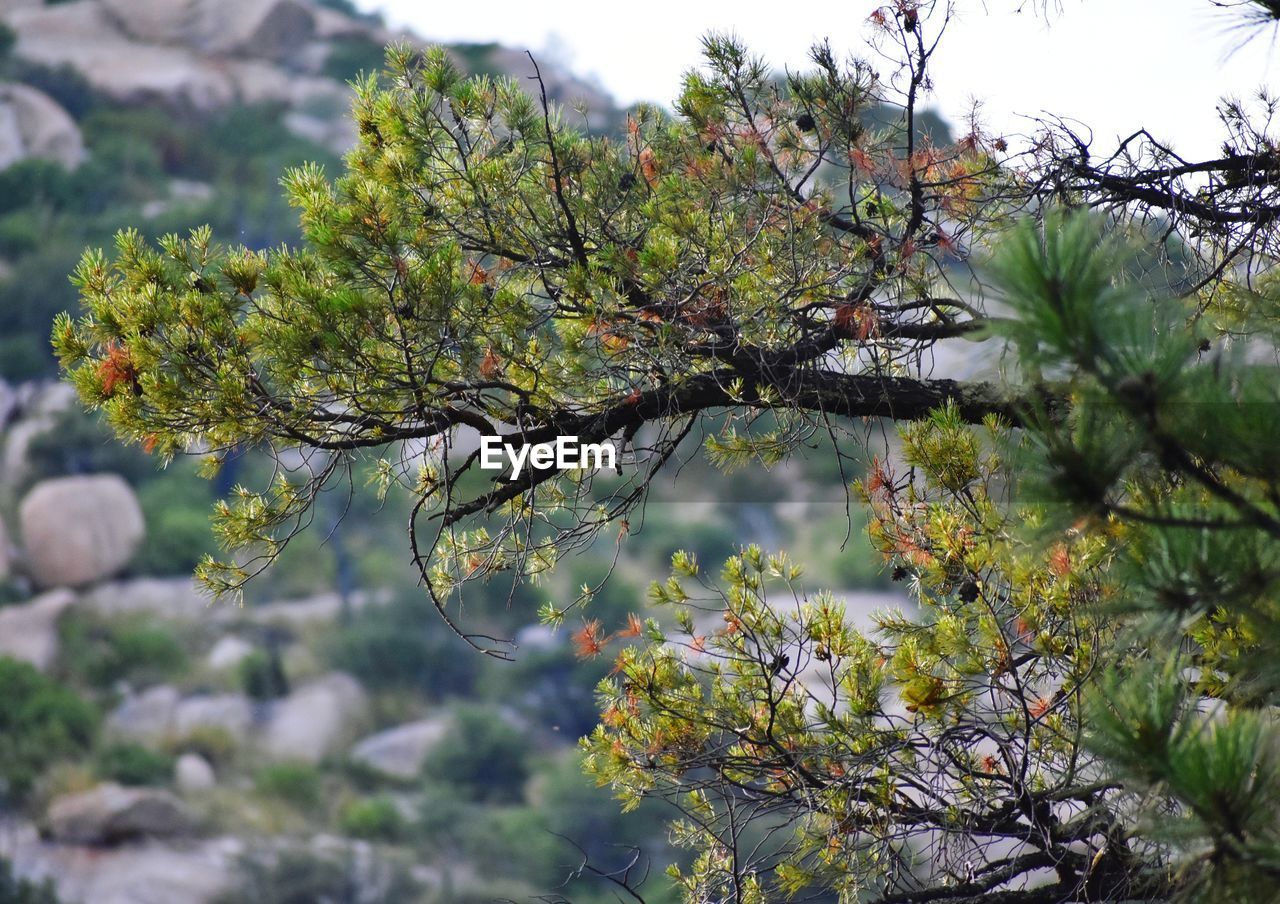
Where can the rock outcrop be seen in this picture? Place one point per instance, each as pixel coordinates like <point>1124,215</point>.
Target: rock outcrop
<point>78,530</point>
<point>270,29</point>
<point>203,55</point>
<point>228,653</point>
<point>161,713</point>
<point>26,413</point>
<point>192,871</point>
<point>111,813</point>
<point>399,752</point>
<point>33,125</point>
<point>315,719</point>
<point>192,773</point>
<point>198,55</point>
<point>147,717</point>
<point>29,631</point>
<point>85,36</point>
<point>230,713</point>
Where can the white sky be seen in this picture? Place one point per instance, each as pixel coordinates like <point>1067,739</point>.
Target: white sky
<point>1114,64</point>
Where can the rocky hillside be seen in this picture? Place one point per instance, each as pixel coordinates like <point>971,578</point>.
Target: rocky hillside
<point>206,55</point>
<point>155,747</point>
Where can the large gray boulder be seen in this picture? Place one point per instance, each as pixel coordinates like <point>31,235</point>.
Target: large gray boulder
<point>15,447</point>
<point>78,530</point>
<point>146,717</point>
<point>399,752</point>
<point>228,653</point>
<point>32,124</point>
<point>192,773</point>
<point>272,29</point>
<point>200,54</point>
<point>231,713</point>
<point>45,398</point>
<point>110,813</point>
<point>84,35</point>
<point>192,871</point>
<point>161,713</point>
<point>315,719</point>
<point>29,632</point>
<point>27,412</point>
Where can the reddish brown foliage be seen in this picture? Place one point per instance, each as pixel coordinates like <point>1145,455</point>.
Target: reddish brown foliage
<point>587,641</point>
<point>117,368</point>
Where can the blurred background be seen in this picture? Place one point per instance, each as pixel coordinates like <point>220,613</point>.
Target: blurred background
<point>331,740</point>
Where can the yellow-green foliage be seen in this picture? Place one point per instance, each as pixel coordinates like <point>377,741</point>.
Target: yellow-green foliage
<point>766,708</point>
<point>481,262</point>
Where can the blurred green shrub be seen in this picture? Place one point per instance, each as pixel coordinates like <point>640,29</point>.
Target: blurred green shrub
<point>298,784</point>
<point>348,57</point>
<point>302,877</point>
<point>79,443</point>
<point>570,806</point>
<point>33,181</point>
<point>402,645</point>
<point>535,842</point>
<point>20,232</point>
<point>214,743</point>
<point>552,688</point>
<point>176,510</point>
<point>178,533</point>
<point>36,289</point>
<point>175,142</point>
<point>666,530</point>
<point>133,764</point>
<point>617,596</point>
<point>135,166</point>
<point>483,755</point>
<point>840,554</point>
<point>41,721</point>
<point>477,58</point>
<point>22,357</point>
<point>99,652</point>
<point>443,814</point>
<point>63,82</point>
<point>373,819</point>
<point>134,153</point>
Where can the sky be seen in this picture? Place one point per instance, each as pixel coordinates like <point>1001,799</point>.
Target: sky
<point>1116,65</point>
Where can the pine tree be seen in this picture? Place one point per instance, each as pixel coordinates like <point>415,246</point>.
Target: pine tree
<point>1169,445</point>
<point>1082,710</point>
